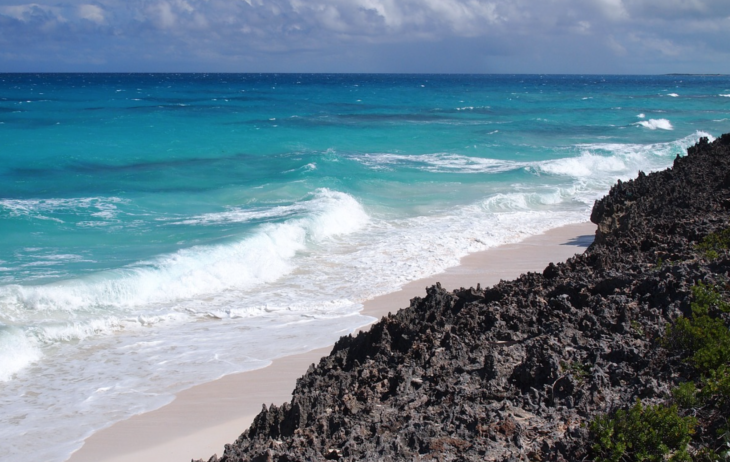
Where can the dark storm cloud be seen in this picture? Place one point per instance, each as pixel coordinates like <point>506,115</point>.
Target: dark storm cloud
<point>367,35</point>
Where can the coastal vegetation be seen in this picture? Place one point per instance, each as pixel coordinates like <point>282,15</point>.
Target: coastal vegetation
<point>643,433</point>
<point>661,431</point>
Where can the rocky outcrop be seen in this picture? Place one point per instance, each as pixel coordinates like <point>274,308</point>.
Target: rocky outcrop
<point>515,371</point>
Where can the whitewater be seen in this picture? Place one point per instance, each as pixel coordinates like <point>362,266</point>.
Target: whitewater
<point>160,231</point>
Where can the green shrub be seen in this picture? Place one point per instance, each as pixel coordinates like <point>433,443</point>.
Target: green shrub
<point>713,244</point>
<point>705,337</point>
<point>642,434</point>
<point>706,297</point>
<point>716,385</point>
<point>685,395</point>
<point>714,388</point>
<point>579,371</point>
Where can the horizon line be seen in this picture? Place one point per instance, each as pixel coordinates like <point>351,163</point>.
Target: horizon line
<point>677,74</point>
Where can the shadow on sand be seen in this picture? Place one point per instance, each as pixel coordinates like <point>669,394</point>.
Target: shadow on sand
<point>581,241</point>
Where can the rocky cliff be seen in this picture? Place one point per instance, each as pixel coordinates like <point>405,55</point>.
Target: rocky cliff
<point>519,371</point>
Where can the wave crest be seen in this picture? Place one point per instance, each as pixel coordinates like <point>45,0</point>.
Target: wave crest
<point>257,259</point>
<point>16,351</point>
<point>653,124</point>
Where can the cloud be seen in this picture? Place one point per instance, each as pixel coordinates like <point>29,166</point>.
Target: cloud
<point>354,34</point>
<point>613,9</point>
<point>616,46</point>
<point>91,13</point>
<point>33,13</point>
<point>679,9</point>
<point>389,18</point>
<point>665,46</point>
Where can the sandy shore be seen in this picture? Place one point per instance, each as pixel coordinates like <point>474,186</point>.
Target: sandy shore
<point>202,419</point>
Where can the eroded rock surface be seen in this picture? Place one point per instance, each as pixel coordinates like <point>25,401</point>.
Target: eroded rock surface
<point>513,372</point>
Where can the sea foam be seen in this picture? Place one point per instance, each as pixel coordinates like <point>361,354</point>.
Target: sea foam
<point>99,207</point>
<point>439,163</point>
<point>260,258</point>
<point>604,162</point>
<point>653,124</point>
<point>16,351</point>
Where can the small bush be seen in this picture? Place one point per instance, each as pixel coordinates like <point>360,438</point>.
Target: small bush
<point>714,389</point>
<point>706,297</point>
<point>714,244</point>
<point>685,395</point>
<point>716,386</point>
<point>578,370</point>
<point>636,326</point>
<point>641,433</point>
<point>705,337</point>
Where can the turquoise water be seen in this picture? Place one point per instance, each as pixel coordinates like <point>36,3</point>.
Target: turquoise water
<point>159,231</point>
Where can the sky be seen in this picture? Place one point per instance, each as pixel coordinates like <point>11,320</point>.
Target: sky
<point>399,36</point>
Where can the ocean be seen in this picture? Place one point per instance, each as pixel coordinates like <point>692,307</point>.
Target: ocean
<point>158,231</point>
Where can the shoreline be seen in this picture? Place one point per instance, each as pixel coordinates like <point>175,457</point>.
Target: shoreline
<point>201,419</point>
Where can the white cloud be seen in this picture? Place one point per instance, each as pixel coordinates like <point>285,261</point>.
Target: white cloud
<point>613,9</point>
<point>329,17</point>
<point>464,17</point>
<point>166,18</point>
<point>367,17</point>
<point>92,13</point>
<point>388,10</point>
<point>33,11</point>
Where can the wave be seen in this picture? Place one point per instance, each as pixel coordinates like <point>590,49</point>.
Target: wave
<point>472,108</point>
<point>619,160</point>
<point>610,160</point>
<point>585,165</point>
<point>409,249</point>
<point>440,163</point>
<point>240,215</point>
<point>257,259</point>
<point>653,124</point>
<point>17,351</point>
<point>726,96</point>
<point>105,208</point>
<point>526,201</point>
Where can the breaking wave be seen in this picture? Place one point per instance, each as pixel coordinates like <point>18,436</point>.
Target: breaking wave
<point>653,124</point>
